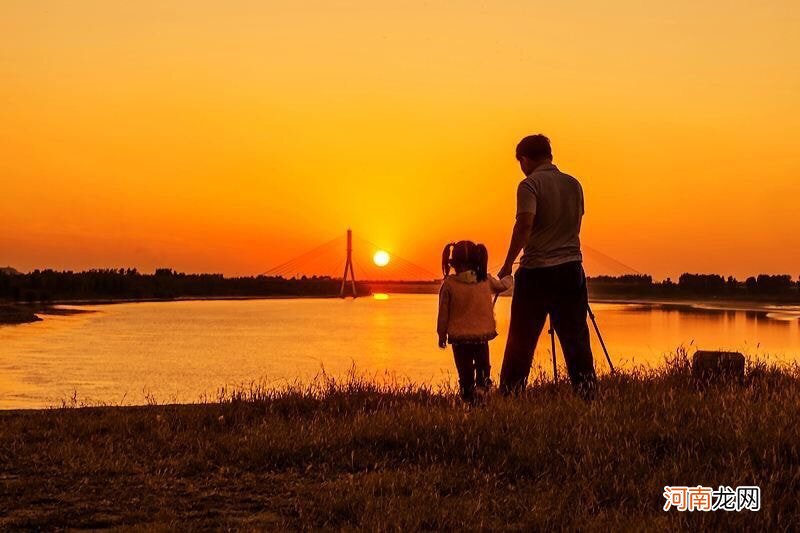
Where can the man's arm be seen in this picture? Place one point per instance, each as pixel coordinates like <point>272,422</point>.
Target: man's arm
<point>522,230</point>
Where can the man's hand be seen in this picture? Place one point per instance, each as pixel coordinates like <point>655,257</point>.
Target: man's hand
<point>442,341</point>
<point>505,271</point>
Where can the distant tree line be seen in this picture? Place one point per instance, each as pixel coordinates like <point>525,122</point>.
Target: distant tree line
<point>688,285</point>
<point>50,285</point>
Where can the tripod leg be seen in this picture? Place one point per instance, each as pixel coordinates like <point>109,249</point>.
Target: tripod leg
<point>600,337</point>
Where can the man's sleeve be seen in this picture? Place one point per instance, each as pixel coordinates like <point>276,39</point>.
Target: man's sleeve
<point>526,198</point>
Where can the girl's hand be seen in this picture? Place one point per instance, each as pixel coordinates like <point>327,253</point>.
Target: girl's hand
<point>442,341</point>
<point>505,271</point>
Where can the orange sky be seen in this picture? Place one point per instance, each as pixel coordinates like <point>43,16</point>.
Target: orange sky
<point>231,136</point>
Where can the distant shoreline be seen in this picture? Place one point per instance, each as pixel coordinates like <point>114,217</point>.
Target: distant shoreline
<point>14,314</point>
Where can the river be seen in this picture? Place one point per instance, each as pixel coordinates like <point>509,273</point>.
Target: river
<point>179,351</point>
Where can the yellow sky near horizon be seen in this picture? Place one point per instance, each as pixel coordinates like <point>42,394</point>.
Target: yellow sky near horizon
<point>229,137</point>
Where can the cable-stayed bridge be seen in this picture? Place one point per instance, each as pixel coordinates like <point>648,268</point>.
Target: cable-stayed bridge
<point>331,257</point>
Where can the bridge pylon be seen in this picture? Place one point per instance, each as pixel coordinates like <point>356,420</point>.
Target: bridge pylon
<point>348,267</point>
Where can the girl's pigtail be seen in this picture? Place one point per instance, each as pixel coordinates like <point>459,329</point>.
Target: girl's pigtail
<point>481,262</point>
<point>446,258</point>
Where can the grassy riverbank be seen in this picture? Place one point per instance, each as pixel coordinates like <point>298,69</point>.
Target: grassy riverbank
<point>355,454</point>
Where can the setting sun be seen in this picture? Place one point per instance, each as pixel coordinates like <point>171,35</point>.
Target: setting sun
<point>381,258</point>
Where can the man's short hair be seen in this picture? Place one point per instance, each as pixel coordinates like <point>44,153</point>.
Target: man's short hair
<point>535,147</point>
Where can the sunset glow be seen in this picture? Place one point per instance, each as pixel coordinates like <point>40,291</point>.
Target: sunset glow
<point>231,137</point>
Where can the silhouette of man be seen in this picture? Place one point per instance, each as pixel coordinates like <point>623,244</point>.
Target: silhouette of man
<point>550,279</point>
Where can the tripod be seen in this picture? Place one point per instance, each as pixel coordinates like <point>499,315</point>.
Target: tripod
<point>552,333</point>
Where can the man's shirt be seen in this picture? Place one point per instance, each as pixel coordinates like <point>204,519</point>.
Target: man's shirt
<point>556,201</point>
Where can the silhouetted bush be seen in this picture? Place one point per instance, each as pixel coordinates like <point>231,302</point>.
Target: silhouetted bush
<point>702,283</point>
<point>773,284</point>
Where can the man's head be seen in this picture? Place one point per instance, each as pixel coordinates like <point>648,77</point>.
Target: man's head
<point>532,151</point>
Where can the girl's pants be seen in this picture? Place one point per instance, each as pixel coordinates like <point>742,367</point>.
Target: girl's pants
<point>472,363</point>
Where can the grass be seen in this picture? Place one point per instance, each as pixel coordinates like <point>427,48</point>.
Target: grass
<point>355,454</point>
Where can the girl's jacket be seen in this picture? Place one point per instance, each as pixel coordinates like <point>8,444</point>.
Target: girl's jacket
<point>466,310</point>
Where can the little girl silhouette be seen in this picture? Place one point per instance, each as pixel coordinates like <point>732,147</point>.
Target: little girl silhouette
<point>466,313</point>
